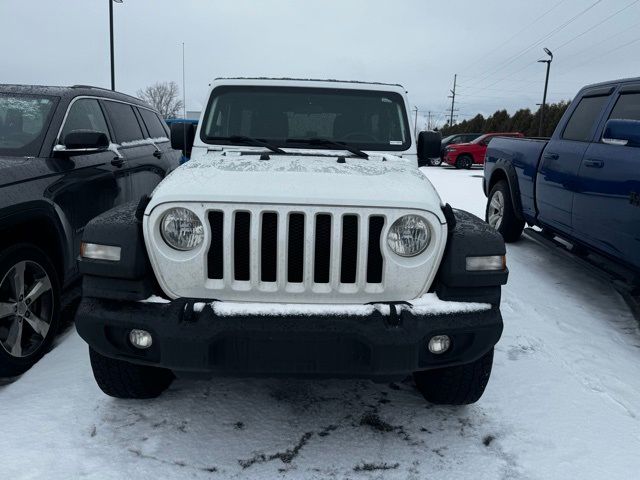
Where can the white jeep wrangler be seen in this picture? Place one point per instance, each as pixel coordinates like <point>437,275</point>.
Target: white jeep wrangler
<point>301,240</point>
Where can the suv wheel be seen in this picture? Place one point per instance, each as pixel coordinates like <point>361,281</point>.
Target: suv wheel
<point>122,379</point>
<point>29,307</point>
<point>435,162</point>
<point>464,161</point>
<point>500,213</point>
<point>461,385</point>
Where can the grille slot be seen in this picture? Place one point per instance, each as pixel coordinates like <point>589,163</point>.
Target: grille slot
<point>349,263</point>
<point>215,259</point>
<point>322,257</point>
<point>242,246</point>
<point>269,247</point>
<point>374,255</point>
<point>295,264</point>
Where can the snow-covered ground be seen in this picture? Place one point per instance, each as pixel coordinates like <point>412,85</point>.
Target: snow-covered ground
<point>563,402</point>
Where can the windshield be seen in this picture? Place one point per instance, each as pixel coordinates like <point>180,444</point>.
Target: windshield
<point>370,120</point>
<point>23,122</point>
<point>480,139</point>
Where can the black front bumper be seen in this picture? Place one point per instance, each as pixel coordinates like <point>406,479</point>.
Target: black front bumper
<point>338,346</point>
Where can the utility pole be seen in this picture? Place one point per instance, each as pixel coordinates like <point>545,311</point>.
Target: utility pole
<point>453,98</point>
<point>546,84</point>
<point>429,120</point>
<point>113,68</point>
<point>415,122</point>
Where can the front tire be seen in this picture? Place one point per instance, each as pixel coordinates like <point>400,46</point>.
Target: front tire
<point>464,161</point>
<point>29,307</point>
<point>461,385</point>
<point>500,213</point>
<point>122,379</point>
<point>435,162</point>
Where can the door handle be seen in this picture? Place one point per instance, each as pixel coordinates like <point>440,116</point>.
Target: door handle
<point>551,156</point>
<point>117,162</point>
<point>594,163</point>
<point>157,154</point>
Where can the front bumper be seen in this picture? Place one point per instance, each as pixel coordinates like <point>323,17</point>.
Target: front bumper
<point>372,346</point>
<point>450,158</point>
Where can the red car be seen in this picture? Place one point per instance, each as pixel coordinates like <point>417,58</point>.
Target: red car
<point>464,155</point>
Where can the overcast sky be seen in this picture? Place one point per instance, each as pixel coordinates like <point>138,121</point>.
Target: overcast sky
<point>493,45</point>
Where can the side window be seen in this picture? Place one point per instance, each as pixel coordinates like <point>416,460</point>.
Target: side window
<point>627,107</point>
<point>84,114</point>
<point>153,123</point>
<point>583,118</point>
<point>124,122</point>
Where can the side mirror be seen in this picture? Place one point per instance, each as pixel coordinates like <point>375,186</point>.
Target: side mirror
<point>182,136</point>
<point>622,132</point>
<point>429,145</point>
<point>80,142</point>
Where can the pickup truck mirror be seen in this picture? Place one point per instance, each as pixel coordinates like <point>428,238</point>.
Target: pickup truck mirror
<point>79,142</point>
<point>622,132</point>
<point>182,136</point>
<point>429,145</point>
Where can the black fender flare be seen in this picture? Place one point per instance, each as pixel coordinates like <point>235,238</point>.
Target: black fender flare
<point>505,168</point>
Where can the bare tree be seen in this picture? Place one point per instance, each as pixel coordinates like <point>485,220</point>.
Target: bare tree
<point>164,97</point>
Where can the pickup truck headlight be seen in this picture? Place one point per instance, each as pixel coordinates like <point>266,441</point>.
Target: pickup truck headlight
<point>409,236</point>
<point>181,229</point>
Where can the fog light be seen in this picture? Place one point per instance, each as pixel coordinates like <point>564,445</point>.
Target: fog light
<point>140,338</point>
<point>96,251</point>
<point>439,344</point>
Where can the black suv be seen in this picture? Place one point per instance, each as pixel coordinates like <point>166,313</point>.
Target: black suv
<point>67,154</point>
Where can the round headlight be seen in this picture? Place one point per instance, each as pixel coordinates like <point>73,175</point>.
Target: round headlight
<point>182,229</point>
<point>409,236</point>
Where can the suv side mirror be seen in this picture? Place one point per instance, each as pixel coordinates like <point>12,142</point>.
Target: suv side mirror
<point>182,136</point>
<point>80,142</point>
<point>622,132</point>
<point>429,145</point>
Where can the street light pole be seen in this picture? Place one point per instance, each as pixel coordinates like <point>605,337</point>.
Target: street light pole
<point>113,69</point>
<point>546,85</point>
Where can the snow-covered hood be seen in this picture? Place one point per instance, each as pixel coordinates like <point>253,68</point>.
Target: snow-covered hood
<point>299,180</point>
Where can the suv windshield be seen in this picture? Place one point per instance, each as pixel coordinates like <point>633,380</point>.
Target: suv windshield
<point>371,120</point>
<point>23,122</point>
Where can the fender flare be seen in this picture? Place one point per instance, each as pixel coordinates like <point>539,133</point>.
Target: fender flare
<point>505,168</point>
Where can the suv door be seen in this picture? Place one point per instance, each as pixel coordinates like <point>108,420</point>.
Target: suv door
<point>90,184</point>
<point>150,170</point>
<point>606,206</point>
<point>133,144</point>
<point>557,175</point>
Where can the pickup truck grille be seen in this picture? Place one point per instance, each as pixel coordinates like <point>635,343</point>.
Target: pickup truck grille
<point>290,247</point>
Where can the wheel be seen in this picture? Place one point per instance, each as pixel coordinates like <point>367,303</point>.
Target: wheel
<point>435,162</point>
<point>500,213</point>
<point>122,379</point>
<point>29,307</point>
<point>464,161</point>
<point>461,385</point>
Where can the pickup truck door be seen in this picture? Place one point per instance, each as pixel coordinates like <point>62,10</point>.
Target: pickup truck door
<point>556,180</point>
<point>607,201</point>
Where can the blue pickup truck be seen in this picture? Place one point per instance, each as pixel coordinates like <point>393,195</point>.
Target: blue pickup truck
<point>582,184</point>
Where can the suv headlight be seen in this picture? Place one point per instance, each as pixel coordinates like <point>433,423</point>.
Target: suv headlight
<point>409,236</point>
<point>181,229</point>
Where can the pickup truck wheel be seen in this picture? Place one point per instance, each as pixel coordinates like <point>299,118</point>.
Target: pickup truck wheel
<point>464,161</point>
<point>29,307</point>
<point>122,379</point>
<point>461,385</point>
<point>500,213</point>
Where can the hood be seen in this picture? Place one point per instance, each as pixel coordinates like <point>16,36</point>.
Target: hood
<point>18,169</point>
<point>462,145</point>
<point>299,180</point>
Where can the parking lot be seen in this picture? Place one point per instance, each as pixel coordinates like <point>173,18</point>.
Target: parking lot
<point>562,402</point>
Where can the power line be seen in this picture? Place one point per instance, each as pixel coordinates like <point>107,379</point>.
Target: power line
<point>512,59</point>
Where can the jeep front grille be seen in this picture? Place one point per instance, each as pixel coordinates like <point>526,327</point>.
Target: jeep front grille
<point>318,248</point>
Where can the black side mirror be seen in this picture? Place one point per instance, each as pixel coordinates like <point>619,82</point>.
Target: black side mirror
<point>182,136</point>
<point>82,142</point>
<point>429,145</point>
<point>622,132</point>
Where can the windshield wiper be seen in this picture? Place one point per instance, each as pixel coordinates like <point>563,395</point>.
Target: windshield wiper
<point>255,143</point>
<point>327,142</point>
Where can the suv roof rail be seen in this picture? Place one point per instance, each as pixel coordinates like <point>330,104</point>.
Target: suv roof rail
<point>93,87</point>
